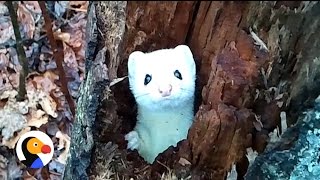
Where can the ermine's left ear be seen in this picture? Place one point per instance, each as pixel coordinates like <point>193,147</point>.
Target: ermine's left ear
<point>185,50</point>
<point>133,60</point>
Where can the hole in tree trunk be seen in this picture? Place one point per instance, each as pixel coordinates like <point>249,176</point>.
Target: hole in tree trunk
<point>116,117</point>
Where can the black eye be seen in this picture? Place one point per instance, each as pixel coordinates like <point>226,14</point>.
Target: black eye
<point>147,79</point>
<point>35,144</point>
<point>177,74</point>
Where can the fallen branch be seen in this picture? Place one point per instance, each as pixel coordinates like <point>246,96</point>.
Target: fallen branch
<point>20,51</point>
<point>58,56</point>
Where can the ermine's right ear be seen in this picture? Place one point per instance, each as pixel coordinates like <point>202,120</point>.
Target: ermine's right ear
<point>132,60</point>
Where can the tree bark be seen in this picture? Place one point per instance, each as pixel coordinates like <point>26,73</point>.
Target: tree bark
<point>295,155</point>
<point>92,88</point>
<point>254,61</point>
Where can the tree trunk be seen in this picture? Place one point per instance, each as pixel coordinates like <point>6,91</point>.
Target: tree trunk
<point>90,92</point>
<point>295,155</point>
<point>254,61</point>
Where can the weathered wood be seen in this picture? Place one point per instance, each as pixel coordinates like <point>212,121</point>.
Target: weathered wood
<point>224,125</point>
<point>242,86</point>
<point>92,88</point>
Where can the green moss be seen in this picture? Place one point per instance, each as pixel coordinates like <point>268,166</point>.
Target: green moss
<point>296,155</point>
<point>308,166</point>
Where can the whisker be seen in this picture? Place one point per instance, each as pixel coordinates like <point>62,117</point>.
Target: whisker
<point>187,90</point>
<point>140,95</point>
<point>182,89</point>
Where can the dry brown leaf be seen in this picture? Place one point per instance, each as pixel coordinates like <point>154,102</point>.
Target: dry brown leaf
<point>63,36</point>
<point>59,97</point>
<point>14,61</point>
<point>10,94</point>
<point>77,29</point>
<point>3,162</point>
<point>78,3</point>
<point>48,104</point>
<point>78,21</point>
<point>37,118</point>
<point>3,8</point>
<point>10,143</point>
<point>14,79</point>
<point>81,53</point>
<point>51,75</point>
<point>4,83</point>
<point>76,39</point>
<point>6,29</point>
<point>46,62</point>
<point>55,176</point>
<point>10,122</point>
<point>14,171</point>
<point>38,96</point>
<point>70,57</point>
<point>21,107</point>
<point>12,105</point>
<point>64,142</point>
<point>33,6</point>
<point>28,51</point>
<point>26,20</point>
<point>44,83</point>
<point>81,6</point>
<point>28,176</point>
<point>57,169</point>
<point>3,167</point>
<point>60,7</point>
<point>4,61</point>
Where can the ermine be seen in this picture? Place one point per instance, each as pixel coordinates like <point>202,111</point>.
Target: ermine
<point>163,85</point>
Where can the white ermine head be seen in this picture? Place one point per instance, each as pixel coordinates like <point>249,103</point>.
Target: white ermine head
<point>164,78</point>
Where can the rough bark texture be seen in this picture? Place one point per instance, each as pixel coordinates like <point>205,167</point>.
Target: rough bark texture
<point>224,125</point>
<point>242,86</point>
<point>295,155</point>
<point>92,88</point>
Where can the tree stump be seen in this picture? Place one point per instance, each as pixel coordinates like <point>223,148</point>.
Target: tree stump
<point>254,60</point>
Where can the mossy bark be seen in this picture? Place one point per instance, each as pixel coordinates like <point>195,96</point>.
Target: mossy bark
<point>90,92</point>
<point>295,155</point>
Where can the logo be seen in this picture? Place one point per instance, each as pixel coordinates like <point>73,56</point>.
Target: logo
<point>34,149</point>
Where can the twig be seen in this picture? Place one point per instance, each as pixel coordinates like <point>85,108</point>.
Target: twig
<point>77,9</point>
<point>20,51</point>
<point>58,56</point>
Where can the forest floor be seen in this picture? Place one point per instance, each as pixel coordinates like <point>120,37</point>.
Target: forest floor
<point>45,107</point>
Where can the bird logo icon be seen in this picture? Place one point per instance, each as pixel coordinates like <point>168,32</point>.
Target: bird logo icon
<point>34,149</point>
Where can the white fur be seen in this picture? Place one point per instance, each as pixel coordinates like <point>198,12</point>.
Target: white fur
<point>162,121</point>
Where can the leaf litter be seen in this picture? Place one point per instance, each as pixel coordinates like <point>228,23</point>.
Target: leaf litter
<point>45,107</point>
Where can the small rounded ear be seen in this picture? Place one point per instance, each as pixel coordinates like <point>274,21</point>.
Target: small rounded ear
<point>185,50</point>
<point>132,60</point>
